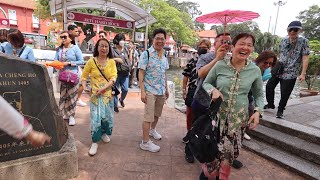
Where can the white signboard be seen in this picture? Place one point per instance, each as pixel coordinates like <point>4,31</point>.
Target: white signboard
<point>139,36</point>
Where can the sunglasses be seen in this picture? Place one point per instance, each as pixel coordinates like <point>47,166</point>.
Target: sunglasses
<point>268,63</point>
<point>294,29</point>
<point>226,42</point>
<point>63,37</point>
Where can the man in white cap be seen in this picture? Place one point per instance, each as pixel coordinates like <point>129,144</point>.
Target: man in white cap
<point>294,50</point>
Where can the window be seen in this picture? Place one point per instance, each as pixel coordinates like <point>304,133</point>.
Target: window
<point>12,17</point>
<point>35,21</point>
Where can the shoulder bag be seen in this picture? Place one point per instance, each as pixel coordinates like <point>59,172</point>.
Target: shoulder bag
<point>115,90</point>
<point>123,68</point>
<point>68,77</point>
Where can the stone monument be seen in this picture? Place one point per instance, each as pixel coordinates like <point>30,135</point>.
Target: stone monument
<point>27,87</point>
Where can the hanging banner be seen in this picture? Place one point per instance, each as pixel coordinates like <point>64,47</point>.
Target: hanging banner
<point>4,22</point>
<point>101,20</point>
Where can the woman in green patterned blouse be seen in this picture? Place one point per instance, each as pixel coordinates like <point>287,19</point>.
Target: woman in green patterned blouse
<point>232,80</point>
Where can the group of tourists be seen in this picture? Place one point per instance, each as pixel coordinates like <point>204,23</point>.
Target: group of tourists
<point>227,74</point>
<point>239,82</point>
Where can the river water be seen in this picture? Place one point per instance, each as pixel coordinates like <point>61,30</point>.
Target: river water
<point>175,75</point>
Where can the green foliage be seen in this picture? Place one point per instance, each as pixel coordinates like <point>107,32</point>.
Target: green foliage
<point>171,19</point>
<point>313,70</point>
<point>43,8</point>
<point>315,46</point>
<point>310,19</point>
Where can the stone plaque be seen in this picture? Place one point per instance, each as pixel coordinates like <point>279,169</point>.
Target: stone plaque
<point>27,87</point>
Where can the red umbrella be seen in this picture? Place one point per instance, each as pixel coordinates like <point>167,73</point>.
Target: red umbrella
<point>227,16</point>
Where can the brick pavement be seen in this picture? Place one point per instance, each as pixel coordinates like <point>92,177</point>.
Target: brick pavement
<point>122,159</point>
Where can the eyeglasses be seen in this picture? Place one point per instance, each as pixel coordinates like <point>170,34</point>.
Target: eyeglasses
<point>267,63</point>
<point>102,46</point>
<point>226,42</point>
<point>63,37</point>
<point>159,39</point>
<point>294,29</point>
<point>101,36</point>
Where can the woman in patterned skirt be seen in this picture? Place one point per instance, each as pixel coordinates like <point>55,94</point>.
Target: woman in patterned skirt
<point>71,56</point>
<point>103,74</point>
<point>232,80</point>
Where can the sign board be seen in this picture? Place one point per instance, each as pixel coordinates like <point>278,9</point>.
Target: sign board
<point>101,20</point>
<point>139,36</point>
<point>4,22</point>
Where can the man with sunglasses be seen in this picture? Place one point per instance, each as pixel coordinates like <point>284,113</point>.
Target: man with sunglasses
<point>102,34</point>
<point>294,51</point>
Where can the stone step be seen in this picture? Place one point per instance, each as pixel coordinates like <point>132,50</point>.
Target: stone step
<point>296,164</point>
<point>307,133</point>
<point>299,147</point>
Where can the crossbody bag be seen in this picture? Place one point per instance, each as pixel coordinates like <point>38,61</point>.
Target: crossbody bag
<point>115,90</point>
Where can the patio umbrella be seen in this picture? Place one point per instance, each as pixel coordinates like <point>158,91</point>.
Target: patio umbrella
<point>227,16</point>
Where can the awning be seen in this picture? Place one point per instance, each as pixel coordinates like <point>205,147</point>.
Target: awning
<point>123,8</point>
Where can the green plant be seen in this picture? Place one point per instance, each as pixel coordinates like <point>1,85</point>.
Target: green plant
<point>313,70</point>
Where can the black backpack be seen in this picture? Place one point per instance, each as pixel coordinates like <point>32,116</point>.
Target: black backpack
<point>203,137</point>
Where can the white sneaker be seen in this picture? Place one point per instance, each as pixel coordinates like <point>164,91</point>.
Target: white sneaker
<point>65,117</point>
<point>72,121</point>
<point>155,134</point>
<point>93,149</point>
<point>105,138</point>
<point>81,103</point>
<point>149,146</point>
<point>246,137</point>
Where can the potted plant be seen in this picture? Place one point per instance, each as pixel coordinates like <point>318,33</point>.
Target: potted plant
<point>313,70</point>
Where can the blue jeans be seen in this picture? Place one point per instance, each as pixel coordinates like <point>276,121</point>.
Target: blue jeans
<point>123,81</point>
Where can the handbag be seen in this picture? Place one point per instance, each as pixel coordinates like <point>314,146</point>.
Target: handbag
<point>201,98</point>
<point>68,77</point>
<point>114,90</point>
<point>277,69</point>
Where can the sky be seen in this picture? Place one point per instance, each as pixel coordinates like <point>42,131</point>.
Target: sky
<point>265,8</point>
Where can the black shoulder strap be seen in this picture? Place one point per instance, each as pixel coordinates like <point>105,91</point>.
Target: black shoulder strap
<point>100,70</point>
<point>22,50</point>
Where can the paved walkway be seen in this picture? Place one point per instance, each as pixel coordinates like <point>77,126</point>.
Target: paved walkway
<point>122,158</point>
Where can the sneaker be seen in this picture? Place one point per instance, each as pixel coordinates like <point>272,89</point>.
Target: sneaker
<point>237,164</point>
<point>268,106</point>
<point>155,134</point>
<point>72,121</point>
<point>81,103</point>
<point>116,109</point>
<point>93,149</point>
<point>105,138</point>
<point>279,114</point>
<point>121,103</point>
<point>246,137</point>
<point>149,146</point>
<point>65,117</point>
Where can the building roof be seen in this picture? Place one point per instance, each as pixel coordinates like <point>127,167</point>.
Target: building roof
<point>207,34</point>
<point>30,4</point>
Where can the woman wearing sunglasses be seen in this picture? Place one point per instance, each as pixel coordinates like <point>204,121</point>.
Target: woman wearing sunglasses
<point>265,61</point>
<point>71,56</point>
<point>103,74</point>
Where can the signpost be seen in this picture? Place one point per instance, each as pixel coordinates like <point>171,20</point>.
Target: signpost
<point>101,20</point>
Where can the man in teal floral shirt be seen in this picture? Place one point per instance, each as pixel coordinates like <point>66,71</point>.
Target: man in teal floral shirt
<point>153,84</point>
<point>294,51</point>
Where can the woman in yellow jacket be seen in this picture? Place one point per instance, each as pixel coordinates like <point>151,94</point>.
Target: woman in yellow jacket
<point>101,101</point>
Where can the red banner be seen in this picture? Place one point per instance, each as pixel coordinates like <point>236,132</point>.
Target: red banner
<point>105,21</point>
<point>4,22</point>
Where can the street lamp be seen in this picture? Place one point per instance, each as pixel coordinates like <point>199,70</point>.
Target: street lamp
<point>147,24</point>
<point>279,3</point>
